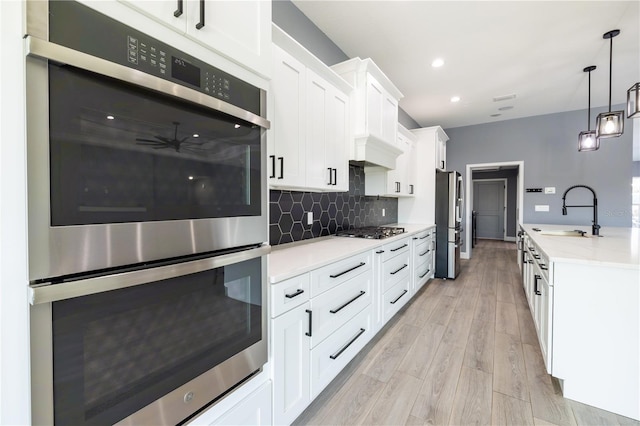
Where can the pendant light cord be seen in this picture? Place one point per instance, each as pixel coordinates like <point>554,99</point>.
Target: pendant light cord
<point>610,68</point>
<point>589,105</point>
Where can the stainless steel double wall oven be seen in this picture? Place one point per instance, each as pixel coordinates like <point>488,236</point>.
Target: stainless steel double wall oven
<point>147,223</point>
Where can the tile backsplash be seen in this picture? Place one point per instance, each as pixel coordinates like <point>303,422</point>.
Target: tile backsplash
<point>332,211</point>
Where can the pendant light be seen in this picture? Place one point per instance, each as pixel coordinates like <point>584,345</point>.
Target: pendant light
<point>633,101</point>
<point>610,124</point>
<point>587,141</point>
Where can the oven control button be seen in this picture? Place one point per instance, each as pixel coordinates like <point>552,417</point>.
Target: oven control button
<point>188,397</point>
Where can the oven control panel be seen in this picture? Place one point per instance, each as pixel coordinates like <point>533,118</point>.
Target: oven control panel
<point>81,28</point>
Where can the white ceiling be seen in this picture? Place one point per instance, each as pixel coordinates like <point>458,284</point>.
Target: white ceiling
<point>534,49</point>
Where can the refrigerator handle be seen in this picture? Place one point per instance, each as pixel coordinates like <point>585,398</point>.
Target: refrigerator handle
<point>460,203</point>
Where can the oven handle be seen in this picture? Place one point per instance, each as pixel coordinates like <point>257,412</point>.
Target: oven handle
<point>39,48</point>
<point>47,293</point>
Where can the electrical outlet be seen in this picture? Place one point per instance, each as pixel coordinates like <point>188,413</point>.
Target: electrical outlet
<point>550,190</point>
<point>310,218</point>
<point>383,212</point>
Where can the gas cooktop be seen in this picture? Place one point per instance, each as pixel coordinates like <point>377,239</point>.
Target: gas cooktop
<point>371,232</point>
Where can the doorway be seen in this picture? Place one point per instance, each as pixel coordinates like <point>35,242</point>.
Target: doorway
<point>490,208</point>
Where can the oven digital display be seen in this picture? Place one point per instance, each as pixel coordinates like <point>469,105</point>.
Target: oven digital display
<point>185,71</point>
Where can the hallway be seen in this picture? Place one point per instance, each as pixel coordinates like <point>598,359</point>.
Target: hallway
<point>463,351</point>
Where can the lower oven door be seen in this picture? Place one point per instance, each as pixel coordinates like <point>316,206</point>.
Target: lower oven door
<point>150,346</point>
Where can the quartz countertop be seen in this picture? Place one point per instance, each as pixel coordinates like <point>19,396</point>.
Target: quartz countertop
<point>288,260</point>
<point>617,247</point>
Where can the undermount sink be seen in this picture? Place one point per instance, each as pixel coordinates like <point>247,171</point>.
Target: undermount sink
<point>567,233</point>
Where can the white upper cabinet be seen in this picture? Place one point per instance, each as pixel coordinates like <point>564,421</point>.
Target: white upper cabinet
<point>311,127</point>
<point>441,139</point>
<point>239,30</point>
<point>375,112</point>
<point>400,181</point>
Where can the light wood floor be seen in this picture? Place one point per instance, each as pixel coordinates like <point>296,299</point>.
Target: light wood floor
<point>462,352</point>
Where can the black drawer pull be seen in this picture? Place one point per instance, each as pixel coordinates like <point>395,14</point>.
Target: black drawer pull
<point>308,333</point>
<point>415,238</point>
<point>399,269</point>
<point>344,348</point>
<point>543,267</point>
<point>178,11</point>
<point>422,254</point>
<point>401,247</point>
<point>536,256</point>
<point>335,311</point>
<point>403,293</point>
<point>380,252</point>
<point>292,295</point>
<point>423,275</point>
<point>348,270</point>
<point>535,284</point>
<point>426,236</point>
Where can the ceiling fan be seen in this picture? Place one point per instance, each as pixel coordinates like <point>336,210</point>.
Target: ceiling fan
<point>161,142</point>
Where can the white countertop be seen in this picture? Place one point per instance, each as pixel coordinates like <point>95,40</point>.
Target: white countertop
<point>617,247</point>
<point>288,260</point>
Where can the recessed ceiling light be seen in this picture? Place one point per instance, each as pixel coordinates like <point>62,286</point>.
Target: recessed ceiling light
<point>455,99</point>
<point>237,126</point>
<point>505,108</point>
<point>110,117</point>
<point>437,63</point>
<point>495,115</point>
<point>195,135</point>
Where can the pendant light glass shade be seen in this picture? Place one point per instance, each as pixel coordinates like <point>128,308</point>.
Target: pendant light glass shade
<point>633,101</point>
<point>587,141</point>
<point>610,124</point>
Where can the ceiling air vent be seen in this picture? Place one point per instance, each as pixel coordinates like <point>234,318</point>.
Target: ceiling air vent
<point>504,97</point>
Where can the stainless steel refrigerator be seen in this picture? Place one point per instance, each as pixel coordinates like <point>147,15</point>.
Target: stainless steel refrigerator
<point>449,202</point>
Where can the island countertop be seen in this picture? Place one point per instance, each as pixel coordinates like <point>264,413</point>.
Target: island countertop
<point>617,247</point>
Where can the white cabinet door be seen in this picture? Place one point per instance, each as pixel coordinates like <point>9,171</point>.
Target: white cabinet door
<point>291,364</point>
<point>287,157</point>
<point>389,118</point>
<point>339,137</point>
<point>319,173</point>
<point>239,30</point>
<point>441,152</point>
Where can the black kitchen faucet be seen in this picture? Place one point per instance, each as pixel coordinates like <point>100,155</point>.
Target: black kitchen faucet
<point>595,228</point>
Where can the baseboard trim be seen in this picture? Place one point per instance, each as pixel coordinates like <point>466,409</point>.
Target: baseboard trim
<point>512,239</point>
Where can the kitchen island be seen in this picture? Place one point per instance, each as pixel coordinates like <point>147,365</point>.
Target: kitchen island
<point>590,321</point>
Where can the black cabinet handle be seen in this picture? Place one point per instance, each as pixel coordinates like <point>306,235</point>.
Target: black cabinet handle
<point>344,348</point>
<point>543,267</point>
<point>178,11</point>
<point>292,295</point>
<point>330,175</point>
<point>536,256</point>
<point>398,270</point>
<point>335,311</point>
<point>535,284</point>
<point>380,252</point>
<point>442,161</point>
<point>422,254</point>
<point>423,275</point>
<point>397,186</point>
<point>335,176</point>
<point>281,160</point>
<point>273,166</point>
<point>422,238</point>
<point>200,24</point>
<point>308,333</point>
<point>403,293</point>
<point>398,248</point>
<point>415,238</point>
<point>348,270</point>
<point>410,189</point>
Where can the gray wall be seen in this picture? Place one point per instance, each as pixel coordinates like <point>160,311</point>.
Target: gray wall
<point>288,17</point>
<point>512,194</point>
<point>548,146</point>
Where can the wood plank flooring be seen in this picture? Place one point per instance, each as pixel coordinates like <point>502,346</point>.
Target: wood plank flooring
<point>462,352</point>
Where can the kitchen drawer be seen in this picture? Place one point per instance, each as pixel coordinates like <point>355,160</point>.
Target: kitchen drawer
<point>422,252</point>
<point>423,273</point>
<point>332,355</point>
<point>424,235</point>
<point>394,299</point>
<point>322,279</point>
<point>395,248</point>
<point>335,307</point>
<point>288,294</point>
<point>394,270</point>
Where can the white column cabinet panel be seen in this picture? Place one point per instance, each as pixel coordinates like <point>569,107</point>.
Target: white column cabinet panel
<point>339,138</point>
<point>319,173</point>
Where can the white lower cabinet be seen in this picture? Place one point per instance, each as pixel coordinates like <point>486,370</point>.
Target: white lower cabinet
<point>254,410</point>
<point>423,255</point>
<point>395,277</point>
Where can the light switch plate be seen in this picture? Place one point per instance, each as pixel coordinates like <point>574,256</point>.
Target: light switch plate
<point>383,212</point>
<point>542,207</point>
<point>550,190</point>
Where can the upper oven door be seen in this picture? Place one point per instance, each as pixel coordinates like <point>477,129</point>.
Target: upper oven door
<point>125,166</point>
